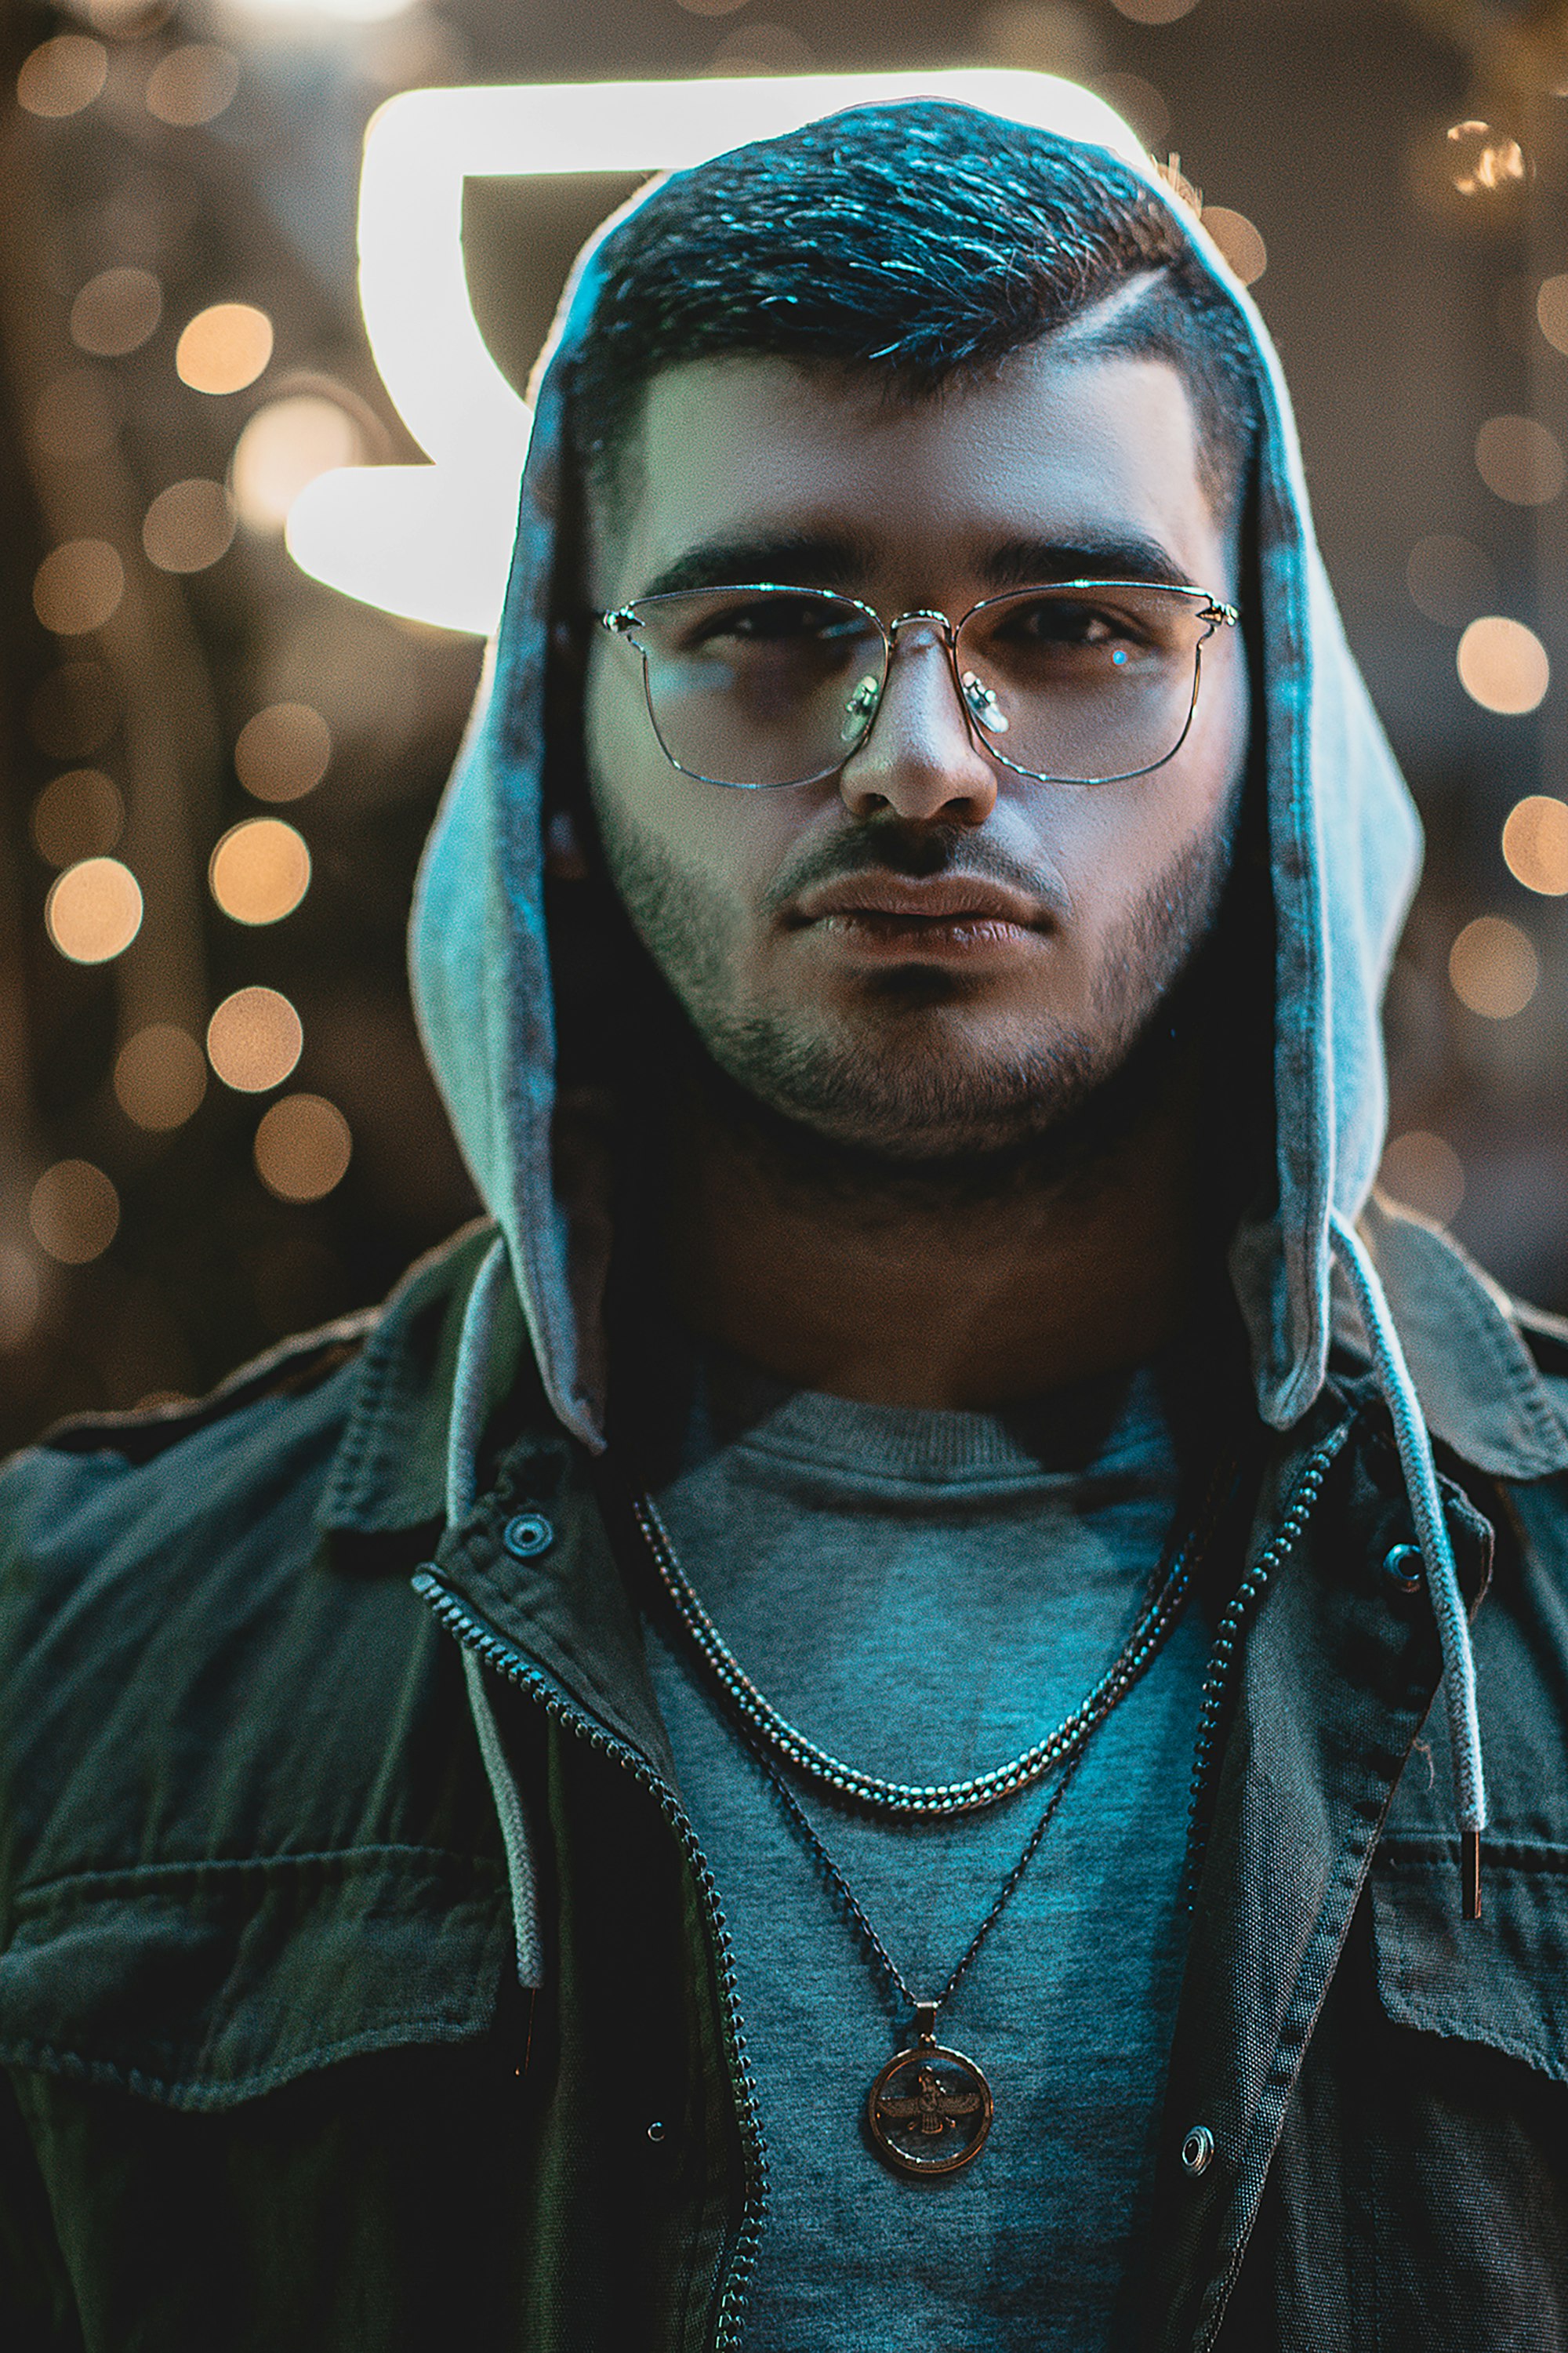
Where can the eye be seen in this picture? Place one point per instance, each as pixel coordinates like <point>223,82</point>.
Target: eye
<point>1059,621</point>
<point>777,621</point>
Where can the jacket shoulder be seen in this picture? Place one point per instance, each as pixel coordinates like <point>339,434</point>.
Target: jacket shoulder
<point>178,1611</point>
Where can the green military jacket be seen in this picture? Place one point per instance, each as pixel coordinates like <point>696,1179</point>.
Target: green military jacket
<point>270,2078</point>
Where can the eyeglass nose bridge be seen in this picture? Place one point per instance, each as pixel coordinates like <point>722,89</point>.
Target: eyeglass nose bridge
<point>977,704</point>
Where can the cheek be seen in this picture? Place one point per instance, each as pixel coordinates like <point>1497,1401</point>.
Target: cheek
<point>727,842</point>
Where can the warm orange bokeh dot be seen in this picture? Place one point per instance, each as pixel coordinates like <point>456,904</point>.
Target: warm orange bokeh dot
<point>283,751</point>
<point>1503,666</point>
<point>189,526</point>
<point>94,910</point>
<point>159,1076</point>
<point>254,1039</point>
<point>1494,967</point>
<point>1535,844</point>
<point>78,586</point>
<point>1239,240</point>
<point>116,312</point>
<point>80,815</point>
<point>1424,1172</point>
<point>260,871</point>
<point>224,348</point>
<point>302,1147</point>
<point>193,84</point>
<point>74,1212</point>
<point>62,75</point>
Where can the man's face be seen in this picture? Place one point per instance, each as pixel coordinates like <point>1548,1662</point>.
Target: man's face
<point>926,954</point>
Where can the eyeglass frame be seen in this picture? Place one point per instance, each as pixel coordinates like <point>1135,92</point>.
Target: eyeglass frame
<point>621,619</point>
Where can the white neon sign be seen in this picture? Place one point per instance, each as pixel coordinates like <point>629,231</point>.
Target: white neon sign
<point>434,542</point>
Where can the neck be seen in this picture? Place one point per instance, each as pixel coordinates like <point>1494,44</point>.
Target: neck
<point>969,1286</point>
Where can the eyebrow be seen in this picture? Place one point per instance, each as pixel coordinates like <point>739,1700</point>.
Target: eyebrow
<point>1123,556</point>
<point>794,559</point>
<point>822,560</point>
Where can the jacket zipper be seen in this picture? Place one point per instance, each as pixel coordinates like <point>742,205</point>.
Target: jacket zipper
<point>1227,1645</point>
<point>495,1653</point>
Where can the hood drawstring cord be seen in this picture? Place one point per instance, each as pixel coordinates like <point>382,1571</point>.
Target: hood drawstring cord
<point>1393,1376</point>
<point>464,1431</point>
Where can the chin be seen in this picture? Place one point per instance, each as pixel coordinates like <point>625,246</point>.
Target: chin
<point>914,1092</point>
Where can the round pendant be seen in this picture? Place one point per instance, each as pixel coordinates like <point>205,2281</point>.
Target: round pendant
<point>928,2111</point>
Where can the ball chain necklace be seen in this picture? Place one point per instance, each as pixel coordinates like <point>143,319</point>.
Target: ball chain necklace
<point>930,2109</point>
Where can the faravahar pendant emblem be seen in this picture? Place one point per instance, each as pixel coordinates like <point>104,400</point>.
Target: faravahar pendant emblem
<point>930,2109</point>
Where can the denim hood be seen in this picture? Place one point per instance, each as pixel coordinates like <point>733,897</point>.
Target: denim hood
<point>1343,852</point>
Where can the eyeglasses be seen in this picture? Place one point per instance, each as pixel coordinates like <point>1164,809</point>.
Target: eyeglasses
<point>1080,682</point>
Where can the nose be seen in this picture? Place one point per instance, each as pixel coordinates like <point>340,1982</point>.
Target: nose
<point>920,760</point>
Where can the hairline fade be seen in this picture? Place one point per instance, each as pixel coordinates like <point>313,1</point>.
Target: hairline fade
<point>920,243</point>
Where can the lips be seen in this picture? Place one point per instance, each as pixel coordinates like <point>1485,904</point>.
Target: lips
<point>907,916</point>
<point>945,902</point>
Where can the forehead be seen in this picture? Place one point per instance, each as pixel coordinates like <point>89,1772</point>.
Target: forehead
<point>1075,450</point>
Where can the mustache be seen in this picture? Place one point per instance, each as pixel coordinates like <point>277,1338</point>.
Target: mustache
<point>916,853</point>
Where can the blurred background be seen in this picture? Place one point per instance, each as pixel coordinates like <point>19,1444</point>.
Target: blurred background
<point>215,1122</point>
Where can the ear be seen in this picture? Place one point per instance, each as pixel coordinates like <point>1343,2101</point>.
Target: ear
<point>564,858</point>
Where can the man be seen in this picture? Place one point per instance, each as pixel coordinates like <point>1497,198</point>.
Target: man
<point>953,1816</point>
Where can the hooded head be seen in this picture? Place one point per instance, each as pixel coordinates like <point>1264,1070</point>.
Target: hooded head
<point>912,256</point>
<point>911,260</point>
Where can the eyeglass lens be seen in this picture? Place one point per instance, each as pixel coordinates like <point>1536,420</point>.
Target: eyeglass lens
<point>759,687</point>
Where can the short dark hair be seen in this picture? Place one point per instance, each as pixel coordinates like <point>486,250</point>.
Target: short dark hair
<point>921,240</point>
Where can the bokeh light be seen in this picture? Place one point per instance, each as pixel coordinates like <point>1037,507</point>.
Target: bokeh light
<point>94,910</point>
<point>1519,460</point>
<point>77,414</point>
<point>1551,311</point>
<point>1140,104</point>
<point>224,348</point>
<point>160,1077</point>
<point>1424,1173</point>
<point>116,312</point>
<point>260,871</point>
<point>283,751</point>
<point>189,526</point>
<point>1239,240</point>
<point>62,75</point>
<point>1494,967</point>
<point>74,710</point>
<point>78,587</point>
<point>74,1212</point>
<point>1481,159</point>
<point>1535,844</point>
<point>126,20</point>
<point>254,1039</point>
<point>302,1147</point>
<point>1503,666</point>
<point>193,84</point>
<point>1449,579</point>
<point>21,1296</point>
<point>1154,12</point>
<point>283,448</point>
<point>80,816</point>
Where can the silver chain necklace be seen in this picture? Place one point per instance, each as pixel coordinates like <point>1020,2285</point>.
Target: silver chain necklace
<point>763,1720</point>
<point>930,2109</point>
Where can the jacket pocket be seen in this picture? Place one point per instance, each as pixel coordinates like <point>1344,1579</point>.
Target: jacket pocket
<point>1500,1981</point>
<point>204,1985</point>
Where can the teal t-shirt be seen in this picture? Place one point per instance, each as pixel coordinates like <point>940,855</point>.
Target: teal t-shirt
<point>926,1594</point>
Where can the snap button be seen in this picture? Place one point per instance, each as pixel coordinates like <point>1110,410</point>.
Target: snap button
<point>1197,2150</point>
<point>1402,1567</point>
<point>528,1534</point>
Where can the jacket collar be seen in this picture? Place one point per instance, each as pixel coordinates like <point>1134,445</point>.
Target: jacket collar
<point>1478,1382</point>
